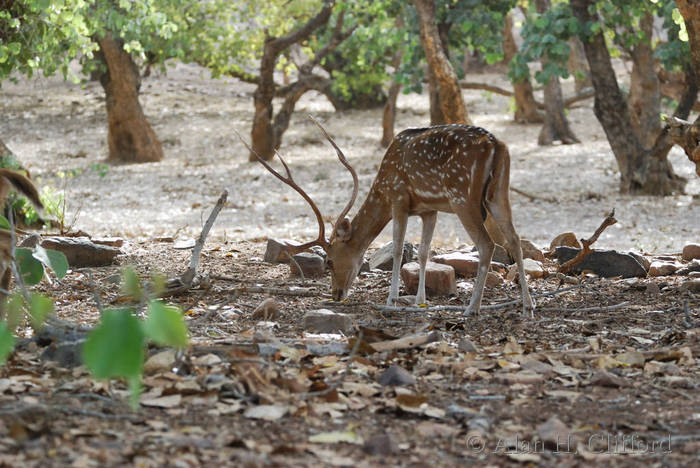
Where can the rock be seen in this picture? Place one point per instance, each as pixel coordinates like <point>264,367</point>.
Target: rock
<point>663,268</point>
<point>605,379</point>
<point>691,252</point>
<point>465,264</point>
<point>439,279</point>
<point>312,265</point>
<point>565,239</point>
<point>555,434</point>
<point>396,376</point>
<point>691,285</point>
<point>604,263</point>
<point>493,279</point>
<point>531,251</point>
<point>382,445</point>
<point>160,362</point>
<point>532,268</point>
<point>645,262</point>
<point>109,241</point>
<point>267,310</point>
<point>365,266</point>
<point>383,258</point>
<point>466,345</point>
<point>500,255</point>
<point>276,249</point>
<point>327,321</point>
<point>81,251</point>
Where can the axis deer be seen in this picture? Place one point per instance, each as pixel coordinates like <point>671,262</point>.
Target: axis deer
<point>456,169</point>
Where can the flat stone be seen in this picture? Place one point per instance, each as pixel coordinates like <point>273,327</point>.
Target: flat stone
<point>531,267</point>
<point>644,261</point>
<point>500,254</point>
<point>327,321</point>
<point>383,258</point>
<point>439,279</point>
<point>276,249</point>
<point>565,239</point>
<point>691,252</point>
<point>493,279</point>
<point>692,285</point>
<point>396,376</point>
<point>663,268</point>
<point>604,263</point>
<point>81,251</point>
<point>465,264</point>
<point>530,250</point>
<point>312,265</point>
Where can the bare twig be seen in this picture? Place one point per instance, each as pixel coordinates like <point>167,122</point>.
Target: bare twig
<point>411,341</point>
<point>276,291</point>
<point>440,308</point>
<point>532,197</point>
<point>188,276</point>
<point>585,309</point>
<point>295,264</point>
<point>586,243</point>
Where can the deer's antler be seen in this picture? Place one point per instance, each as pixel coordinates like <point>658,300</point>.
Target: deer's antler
<point>289,180</point>
<point>347,165</point>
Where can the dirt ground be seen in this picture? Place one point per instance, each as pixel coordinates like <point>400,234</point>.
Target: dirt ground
<point>605,372</point>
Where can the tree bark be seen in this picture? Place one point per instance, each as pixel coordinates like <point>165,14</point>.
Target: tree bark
<point>644,98</point>
<point>687,136</point>
<point>556,126</point>
<point>389,114</point>
<point>130,137</point>
<point>525,104</point>
<point>641,171</point>
<point>577,65</point>
<point>441,75</point>
<point>265,137</point>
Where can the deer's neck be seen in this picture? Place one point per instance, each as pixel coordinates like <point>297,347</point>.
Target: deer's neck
<point>370,220</point>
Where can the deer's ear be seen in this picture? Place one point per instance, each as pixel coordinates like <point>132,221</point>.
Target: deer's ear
<point>343,230</point>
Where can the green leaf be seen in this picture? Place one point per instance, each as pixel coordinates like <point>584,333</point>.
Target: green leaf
<point>30,268</point>
<point>15,307</point>
<point>40,307</point>
<point>131,284</point>
<point>165,325</point>
<point>53,259</point>
<point>4,223</point>
<point>7,342</point>
<point>115,347</point>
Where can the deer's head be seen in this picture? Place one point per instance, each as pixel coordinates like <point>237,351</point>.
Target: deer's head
<point>342,265</point>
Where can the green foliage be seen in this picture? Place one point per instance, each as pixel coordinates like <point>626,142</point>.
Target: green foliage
<point>115,348</point>
<point>546,36</point>
<point>39,35</point>
<point>21,304</point>
<point>7,342</point>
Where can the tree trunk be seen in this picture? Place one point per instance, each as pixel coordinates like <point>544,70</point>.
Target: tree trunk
<point>440,72</point>
<point>525,105</point>
<point>687,136</point>
<point>577,65</point>
<point>130,137</point>
<point>641,171</point>
<point>389,115</point>
<point>556,126</point>
<point>644,98</point>
<point>265,138</point>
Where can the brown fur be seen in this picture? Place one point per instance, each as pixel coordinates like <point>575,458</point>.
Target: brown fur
<point>8,180</point>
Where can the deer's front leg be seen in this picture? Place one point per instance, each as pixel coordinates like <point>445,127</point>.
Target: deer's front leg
<point>400,218</point>
<point>429,220</point>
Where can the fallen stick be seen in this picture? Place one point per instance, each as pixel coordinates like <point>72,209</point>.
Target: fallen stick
<point>406,342</point>
<point>186,280</point>
<point>586,250</point>
<point>188,276</point>
<point>275,291</point>
<point>440,308</point>
<point>586,309</point>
